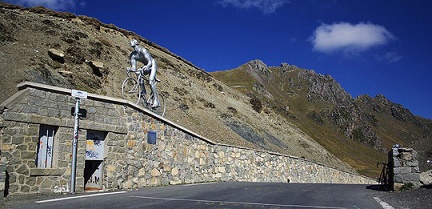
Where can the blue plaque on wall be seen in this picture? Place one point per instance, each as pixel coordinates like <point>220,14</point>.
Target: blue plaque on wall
<point>151,137</point>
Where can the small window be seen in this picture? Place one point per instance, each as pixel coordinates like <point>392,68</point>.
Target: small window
<point>45,151</point>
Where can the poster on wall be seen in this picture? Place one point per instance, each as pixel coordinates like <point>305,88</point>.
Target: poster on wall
<point>95,146</point>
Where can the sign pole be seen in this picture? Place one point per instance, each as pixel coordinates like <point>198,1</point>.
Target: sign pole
<point>75,145</point>
<point>78,96</point>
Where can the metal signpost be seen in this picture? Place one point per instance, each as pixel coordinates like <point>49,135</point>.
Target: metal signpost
<point>78,96</point>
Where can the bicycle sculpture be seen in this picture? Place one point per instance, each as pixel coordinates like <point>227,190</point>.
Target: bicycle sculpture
<point>133,88</point>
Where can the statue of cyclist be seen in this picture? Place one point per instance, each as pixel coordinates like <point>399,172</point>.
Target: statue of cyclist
<point>142,55</point>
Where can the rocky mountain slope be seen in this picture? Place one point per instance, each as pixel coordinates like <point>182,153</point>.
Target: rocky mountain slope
<point>357,130</point>
<point>79,52</point>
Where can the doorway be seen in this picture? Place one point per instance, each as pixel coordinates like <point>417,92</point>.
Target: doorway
<point>93,170</point>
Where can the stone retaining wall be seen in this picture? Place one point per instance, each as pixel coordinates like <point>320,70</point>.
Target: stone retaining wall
<point>179,156</point>
<point>404,168</point>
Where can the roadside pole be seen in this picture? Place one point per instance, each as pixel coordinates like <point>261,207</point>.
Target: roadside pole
<point>78,96</point>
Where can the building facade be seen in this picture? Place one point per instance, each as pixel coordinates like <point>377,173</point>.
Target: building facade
<point>123,146</point>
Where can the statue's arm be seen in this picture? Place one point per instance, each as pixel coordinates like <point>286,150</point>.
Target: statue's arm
<point>133,63</point>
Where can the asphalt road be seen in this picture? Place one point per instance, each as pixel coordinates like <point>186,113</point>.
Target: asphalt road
<point>218,195</point>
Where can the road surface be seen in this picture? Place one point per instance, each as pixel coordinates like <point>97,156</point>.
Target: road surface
<point>218,195</point>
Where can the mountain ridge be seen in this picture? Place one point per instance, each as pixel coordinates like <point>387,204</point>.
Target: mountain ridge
<point>313,101</point>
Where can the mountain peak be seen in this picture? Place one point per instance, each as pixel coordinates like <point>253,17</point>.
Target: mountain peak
<point>257,66</point>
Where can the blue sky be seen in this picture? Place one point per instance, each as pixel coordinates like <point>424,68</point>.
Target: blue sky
<point>369,46</point>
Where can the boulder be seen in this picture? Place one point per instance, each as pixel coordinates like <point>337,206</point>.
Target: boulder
<point>426,177</point>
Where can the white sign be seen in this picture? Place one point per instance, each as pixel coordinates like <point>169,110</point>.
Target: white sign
<point>79,94</point>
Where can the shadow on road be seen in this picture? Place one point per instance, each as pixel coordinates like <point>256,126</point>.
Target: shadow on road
<point>377,187</point>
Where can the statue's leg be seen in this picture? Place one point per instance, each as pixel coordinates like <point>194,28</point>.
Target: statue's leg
<point>155,94</point>
<point>152,82</point>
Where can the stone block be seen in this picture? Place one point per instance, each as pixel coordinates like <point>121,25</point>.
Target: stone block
<point>155,172</point>
<point>24,188</point>
<point>411,177</point>
<point>221,154</point>
<point>154,181</point>
<point>402,170</point>
<point>406,156</point>
<point>174,171</point>
<point>175,181</point>
<point>128,184</point>
<point>403,149</point>
<point>394,152</point>
<point>23,169</point>
<point>131,144</point>
<point>398,186</point>
<point>398,178</point>
<point>7,147</point>
<point>141,172</point>
<point>426,177</point>
<point>46,185</point>
<point>31,181</point>
<point>17,139</point>
<point>202,161</point>
<point>26,155</point>
<point>412,163</point>
<point>397,162</point>
<point>46,172</point>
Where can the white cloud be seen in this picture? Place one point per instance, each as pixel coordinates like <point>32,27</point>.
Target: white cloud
<point>349,38</point>
<point>266,6</point>
<point>389,57</point>
<point>51,4</point>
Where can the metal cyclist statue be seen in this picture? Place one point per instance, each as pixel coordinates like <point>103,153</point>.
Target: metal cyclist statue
<point>142,55</point>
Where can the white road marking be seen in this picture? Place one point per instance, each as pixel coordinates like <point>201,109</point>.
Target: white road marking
<point>383,204</point>
<point>229,202</point>
<point>82,196</point>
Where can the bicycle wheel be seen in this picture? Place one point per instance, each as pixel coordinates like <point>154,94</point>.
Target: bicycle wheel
<point>159,110</point>
<point>131,90</point>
